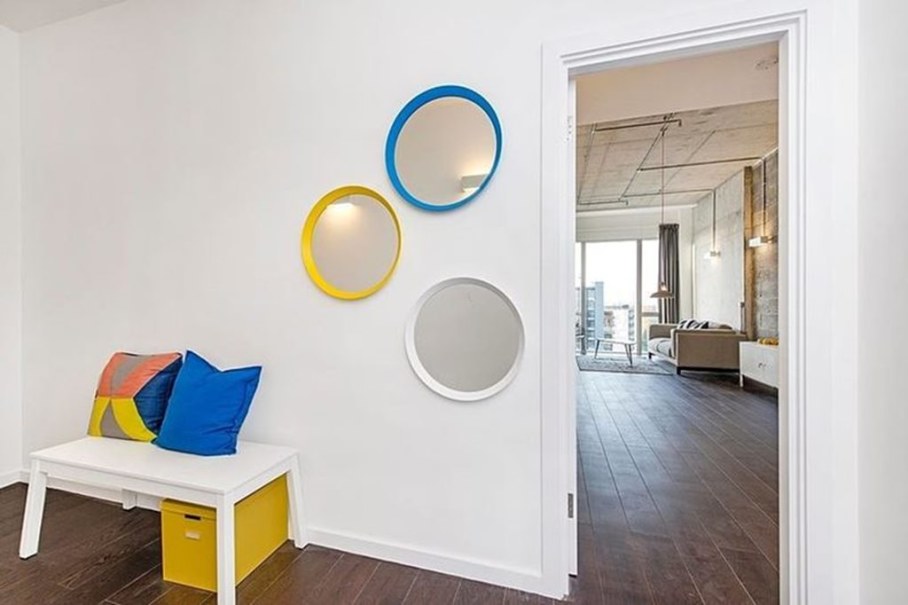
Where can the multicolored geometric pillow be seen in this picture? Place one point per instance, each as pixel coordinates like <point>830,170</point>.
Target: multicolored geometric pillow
<point>132,395</point>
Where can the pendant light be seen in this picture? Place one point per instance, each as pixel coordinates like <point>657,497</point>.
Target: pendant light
<point>713,250</point>
<point>763,239</point>
<point>663,291</point>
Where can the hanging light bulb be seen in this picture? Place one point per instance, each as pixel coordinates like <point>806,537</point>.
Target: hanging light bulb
<point>663,290</point>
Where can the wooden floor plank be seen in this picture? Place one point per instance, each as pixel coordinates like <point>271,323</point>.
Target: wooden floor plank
<point>120,573</point>
<point>344,583</point>
<point>715,579</point>
<point>301,578</point>
<point>432,588</point>
<point>667,574</point>
<point>622,569</point>
<point>477,593</point>
<point>760,579</point>
<point>266,574</point>
<point>144,590</point>
<point>183,595</point>
<point>588,588</point>
<point>132,531</point>
<point>389,585</point>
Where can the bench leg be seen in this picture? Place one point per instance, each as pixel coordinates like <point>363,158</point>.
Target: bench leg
<point>130,499</point>
<point>34,512</point>
<point>630,354</point>
<point>295,489</point>
<point>226,551</point>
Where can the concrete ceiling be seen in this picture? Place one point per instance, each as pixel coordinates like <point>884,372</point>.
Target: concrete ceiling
<point>615,166</point>
<point>23,15</point>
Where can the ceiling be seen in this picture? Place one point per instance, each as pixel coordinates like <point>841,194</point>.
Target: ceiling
<point>615,165</point>
<point>23,15</point>
<point>732,77</point>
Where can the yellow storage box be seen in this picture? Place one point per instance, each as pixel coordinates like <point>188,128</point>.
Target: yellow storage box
<point>189,536</point>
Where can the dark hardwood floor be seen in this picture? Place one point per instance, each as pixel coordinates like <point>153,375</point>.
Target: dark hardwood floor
<point>677,504</point>
<point>678,490</point>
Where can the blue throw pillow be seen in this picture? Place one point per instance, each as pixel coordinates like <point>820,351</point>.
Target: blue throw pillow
<point>207,408</point>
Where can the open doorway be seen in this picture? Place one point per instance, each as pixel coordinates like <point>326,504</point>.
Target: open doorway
<point>671,574</point>
<point>677,320</point>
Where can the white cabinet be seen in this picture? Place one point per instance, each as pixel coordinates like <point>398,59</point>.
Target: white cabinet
<point>760,363</point>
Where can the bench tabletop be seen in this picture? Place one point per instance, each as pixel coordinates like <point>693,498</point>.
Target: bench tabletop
<point>138,460</point>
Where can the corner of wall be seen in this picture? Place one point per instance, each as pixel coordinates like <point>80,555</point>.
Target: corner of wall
<point>11,426</point>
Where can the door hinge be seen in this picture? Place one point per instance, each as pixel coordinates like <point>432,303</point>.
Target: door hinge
<point>570,128</point>
<point>570,506</point>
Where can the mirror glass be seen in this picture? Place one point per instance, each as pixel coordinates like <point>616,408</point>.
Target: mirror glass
<point>443,148</point>
<point>465,339</point>
<point>351,242</point>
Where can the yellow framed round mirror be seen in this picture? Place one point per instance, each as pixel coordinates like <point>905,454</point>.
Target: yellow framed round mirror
<point>351,242</point>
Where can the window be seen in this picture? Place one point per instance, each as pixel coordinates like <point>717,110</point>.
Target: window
<point>613,301</point>
<point>649,277</point>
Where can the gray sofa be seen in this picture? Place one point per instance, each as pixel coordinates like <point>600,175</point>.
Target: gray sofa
<point>693,345</point>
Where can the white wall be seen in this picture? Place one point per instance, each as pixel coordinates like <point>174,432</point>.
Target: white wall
<point>883,288</point>
<point>164,203</point>
<point>719,282</point>
<point>171,151</point>
<point>10,262</point>
<point>643,223</point>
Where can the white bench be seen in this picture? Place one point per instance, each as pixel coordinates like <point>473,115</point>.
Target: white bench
<point>142,468</point>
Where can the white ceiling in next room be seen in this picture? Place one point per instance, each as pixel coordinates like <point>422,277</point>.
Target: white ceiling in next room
<point>721,111</point>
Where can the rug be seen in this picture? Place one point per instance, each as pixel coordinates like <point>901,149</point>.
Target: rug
<point>614,363</point>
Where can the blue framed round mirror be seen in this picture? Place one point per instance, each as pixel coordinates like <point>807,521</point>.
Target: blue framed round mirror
<point>443,148</point>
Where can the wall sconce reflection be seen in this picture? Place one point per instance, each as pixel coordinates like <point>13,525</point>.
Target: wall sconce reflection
<point>471,183</point>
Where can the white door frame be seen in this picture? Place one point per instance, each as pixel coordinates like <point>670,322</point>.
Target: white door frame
<point>817,187</point>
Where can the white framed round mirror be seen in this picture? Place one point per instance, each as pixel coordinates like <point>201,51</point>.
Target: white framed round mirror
<point>465,339</point>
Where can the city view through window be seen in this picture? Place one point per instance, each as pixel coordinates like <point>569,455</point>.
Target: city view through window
<point>613,282</point>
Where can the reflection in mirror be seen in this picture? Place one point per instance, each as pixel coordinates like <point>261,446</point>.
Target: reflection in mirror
<point>465,339</point>
<point>445,151</point>
<point>443,148</point>
<point>351,242</point>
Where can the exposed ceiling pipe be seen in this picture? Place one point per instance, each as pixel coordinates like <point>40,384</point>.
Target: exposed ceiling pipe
<point>703,163</point>
<point>664,123</point>
<point>626,198</point>
<point>667,121</point>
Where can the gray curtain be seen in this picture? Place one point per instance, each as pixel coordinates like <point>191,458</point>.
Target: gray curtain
<point>669,272</point>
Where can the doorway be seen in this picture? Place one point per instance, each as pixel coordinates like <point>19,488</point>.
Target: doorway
<point>677,462</point>
<point>562,62</point>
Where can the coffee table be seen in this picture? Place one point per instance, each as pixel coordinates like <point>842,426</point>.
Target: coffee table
<point>627,344</point>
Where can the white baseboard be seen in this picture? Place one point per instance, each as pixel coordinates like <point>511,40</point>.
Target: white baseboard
<point>519,579</point>
<point>10,477</point>
<point>482,571</point>
<point>109,494</point>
